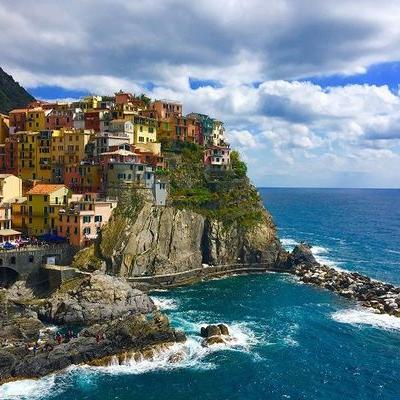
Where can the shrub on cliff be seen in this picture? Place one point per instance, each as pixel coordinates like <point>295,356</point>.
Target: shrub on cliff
<point>226,196</point>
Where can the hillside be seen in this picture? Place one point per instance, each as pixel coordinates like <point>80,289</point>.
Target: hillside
<point>12,95</point>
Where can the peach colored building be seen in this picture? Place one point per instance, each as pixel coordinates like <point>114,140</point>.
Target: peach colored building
<point>84,216</point>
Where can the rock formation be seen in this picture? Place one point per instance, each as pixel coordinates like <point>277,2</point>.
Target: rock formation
<point>97,298</point>
<point>134,333</point>
<point>382,297</point>
<point>215,334</point>
<point>165,240</point>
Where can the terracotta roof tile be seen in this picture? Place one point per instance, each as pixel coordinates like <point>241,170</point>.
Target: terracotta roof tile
<point>42,188</point>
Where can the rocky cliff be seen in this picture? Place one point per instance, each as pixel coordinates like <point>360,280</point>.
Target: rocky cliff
<point>165,240</point>
<point>12,95</point>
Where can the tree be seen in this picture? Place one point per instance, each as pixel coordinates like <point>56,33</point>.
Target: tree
<point>238,166</point>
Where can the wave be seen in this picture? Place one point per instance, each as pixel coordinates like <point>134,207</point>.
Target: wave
<point>164,303</point>
<point>367,317</point>
<point>320,253</point>
<point>190,354</point>
<point>29,389</point>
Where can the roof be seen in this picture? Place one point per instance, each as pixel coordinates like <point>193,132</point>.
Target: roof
<point>42,188</point>
<point>119,152</point>
<point>18,110</point>
<point>9,232</point>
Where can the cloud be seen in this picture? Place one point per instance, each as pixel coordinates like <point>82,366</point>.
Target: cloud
<point>291,132</point>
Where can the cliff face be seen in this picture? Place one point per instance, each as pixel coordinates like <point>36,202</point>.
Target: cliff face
<point>169,240</point>
<point>12,95</point>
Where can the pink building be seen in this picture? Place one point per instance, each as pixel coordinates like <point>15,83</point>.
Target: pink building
<point>81,221</point>
<point>217,158</point>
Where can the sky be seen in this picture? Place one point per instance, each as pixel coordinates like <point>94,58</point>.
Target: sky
<point>308,89</point>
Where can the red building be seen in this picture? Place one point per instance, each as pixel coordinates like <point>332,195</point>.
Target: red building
<point>58,119</point>
<point>18,120</point>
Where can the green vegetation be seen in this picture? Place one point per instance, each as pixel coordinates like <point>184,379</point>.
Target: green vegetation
<point>86,260</point>
<point>226,196</point>
<point>12,95</point>
<point>145,99</point>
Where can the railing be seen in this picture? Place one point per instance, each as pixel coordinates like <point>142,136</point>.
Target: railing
<point>203,272</point>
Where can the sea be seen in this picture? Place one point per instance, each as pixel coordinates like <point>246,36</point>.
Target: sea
<point>289,340</point>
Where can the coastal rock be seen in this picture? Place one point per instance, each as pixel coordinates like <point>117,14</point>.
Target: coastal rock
<point>96,299</point>
<point>380,296</point>
<point>168,240</point>
<point>133,333</point>
<point>214,334</point>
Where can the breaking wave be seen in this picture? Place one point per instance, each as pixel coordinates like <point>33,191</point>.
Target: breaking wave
<point>29,389</point>
<point>320,253</point>
<point>164,303</point>
<point>367,317</point>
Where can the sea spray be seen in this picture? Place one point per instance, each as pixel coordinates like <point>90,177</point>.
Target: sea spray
<point>364,317</point>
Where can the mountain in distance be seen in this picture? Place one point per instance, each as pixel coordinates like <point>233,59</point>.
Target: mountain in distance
<point>12,94</point>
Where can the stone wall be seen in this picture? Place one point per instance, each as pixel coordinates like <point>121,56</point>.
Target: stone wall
<point>26,260</point>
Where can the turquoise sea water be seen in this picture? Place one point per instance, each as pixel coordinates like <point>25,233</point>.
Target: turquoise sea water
<point>290,340</point>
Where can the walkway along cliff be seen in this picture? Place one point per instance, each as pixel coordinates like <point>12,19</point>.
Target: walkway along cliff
<point>213,224</point>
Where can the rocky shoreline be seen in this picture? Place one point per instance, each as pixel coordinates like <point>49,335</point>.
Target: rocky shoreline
<point>383,298</point>
<point>109,318</point>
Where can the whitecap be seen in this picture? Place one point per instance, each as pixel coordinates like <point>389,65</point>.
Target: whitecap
<point>29,389</point>
<point>367,317</point>
<point>289,243</point>
<point>164,303</point>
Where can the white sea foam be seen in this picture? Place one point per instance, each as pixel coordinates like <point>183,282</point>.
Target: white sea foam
<point>289,243</point>
<point>29,389</point>
<point>191,354</point>
<point>164,303</point>
<point>367,317</point>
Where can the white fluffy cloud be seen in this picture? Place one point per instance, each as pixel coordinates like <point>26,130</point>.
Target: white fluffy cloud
<point>290,132</point>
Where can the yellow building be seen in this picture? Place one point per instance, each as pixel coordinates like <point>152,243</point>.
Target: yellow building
<point>43,170</point>
<point>145,129</point>
<point>4,128</point>
<point>27,154</point>
<point>75,142</point>
<point>10,187</point>
<point>18,206</point>
<point>43,204</point>
<point>166,129</point>
<point>36,119</point>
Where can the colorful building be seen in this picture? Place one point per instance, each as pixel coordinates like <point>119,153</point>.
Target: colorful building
<point>4,128</point>
<point>17,120</point>
<point>167,108</point>
<point>27,154</point>
<point>81,220</point>
<point>145,129</point>
<point>42,208</point>
<point>10,187</point>
<point>217,158</point>
<point>36,118</point>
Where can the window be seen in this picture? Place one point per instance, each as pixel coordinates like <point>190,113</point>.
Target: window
<point>31,259</point>
<point>30,197</point>
<point>12,260</point>
<point>45,198</point>
<point>98,218</point>
<point>86,219</point>
<point>141,139</point>
<point>86,231</point>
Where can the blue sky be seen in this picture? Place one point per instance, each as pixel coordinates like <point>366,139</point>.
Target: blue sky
<point>308,89</point>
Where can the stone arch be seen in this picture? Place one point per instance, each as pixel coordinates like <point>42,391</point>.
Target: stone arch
<point>8,276</point>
